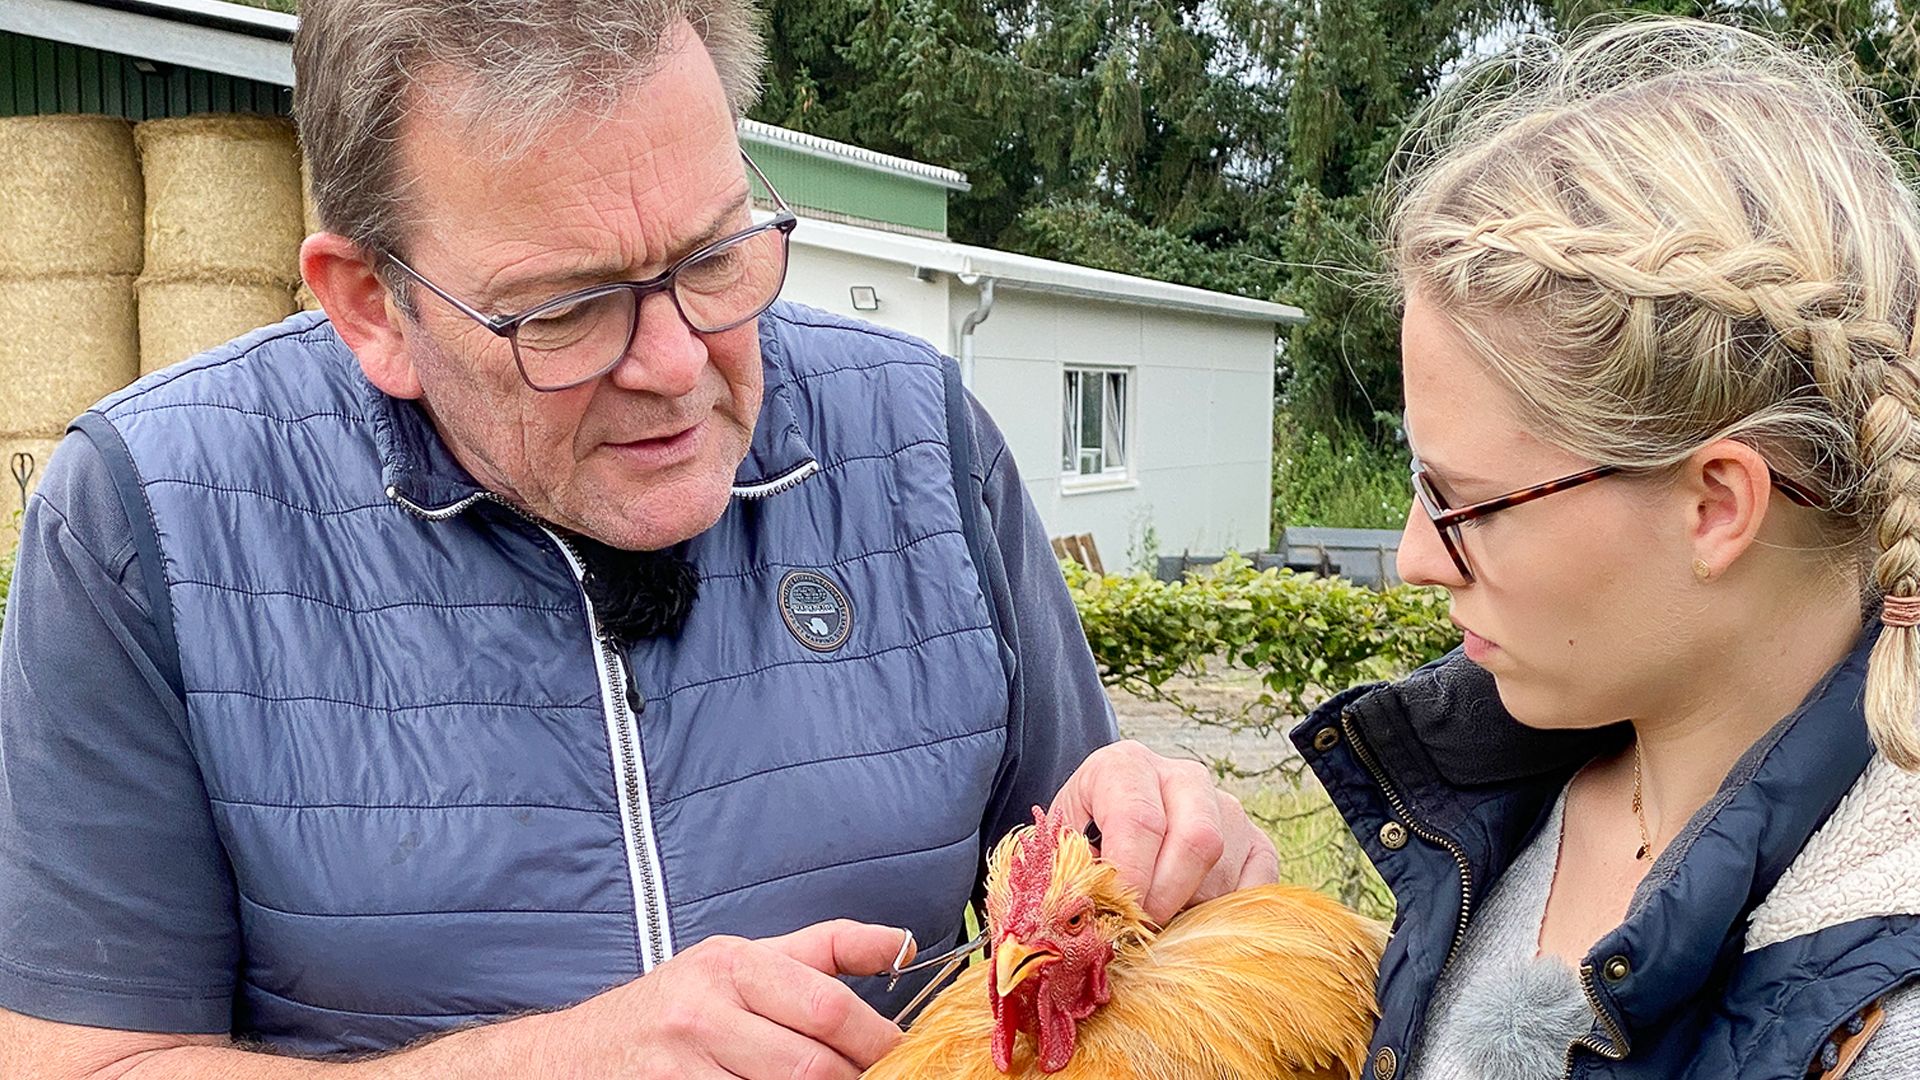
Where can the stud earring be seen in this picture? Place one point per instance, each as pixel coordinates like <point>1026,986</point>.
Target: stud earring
<point>1701,571</point>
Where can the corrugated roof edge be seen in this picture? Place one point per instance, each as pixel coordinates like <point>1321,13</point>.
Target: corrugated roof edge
<point>1027,272</point>
<point>216,14</point>
<point>755,131</point>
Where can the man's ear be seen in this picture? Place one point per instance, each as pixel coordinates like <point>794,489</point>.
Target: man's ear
<point>364,314</point>
<point>1730,487</point>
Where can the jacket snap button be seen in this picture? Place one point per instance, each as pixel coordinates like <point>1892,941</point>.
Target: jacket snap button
<point>1385,1064</point>
<point>1393,836</point>
<point>1326,739</point>
<point>1617,969</point>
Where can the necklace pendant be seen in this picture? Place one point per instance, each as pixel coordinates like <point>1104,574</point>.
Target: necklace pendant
<point>1641,854</point>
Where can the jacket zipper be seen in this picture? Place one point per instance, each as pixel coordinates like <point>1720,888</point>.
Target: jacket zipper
<point>790,478</point>
<point>1414,825</point>
<point>636,812</point>
<point>1616,1046</point>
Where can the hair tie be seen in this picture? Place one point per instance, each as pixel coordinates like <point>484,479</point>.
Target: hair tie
<point>1900,611</point>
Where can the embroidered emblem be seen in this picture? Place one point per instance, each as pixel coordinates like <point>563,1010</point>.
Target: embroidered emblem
<point>816,610</point>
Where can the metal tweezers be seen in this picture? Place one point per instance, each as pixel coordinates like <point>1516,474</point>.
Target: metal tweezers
<point>948,962</point>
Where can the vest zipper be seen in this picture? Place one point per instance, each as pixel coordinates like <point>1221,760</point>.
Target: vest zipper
<point>1418,828</point>
<point>778,484</point>
<point>1616,1046</point>
<point>623,731</point>
<point>623,734</point>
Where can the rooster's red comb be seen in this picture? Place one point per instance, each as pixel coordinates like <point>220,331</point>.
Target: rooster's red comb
<point>1033,860</point>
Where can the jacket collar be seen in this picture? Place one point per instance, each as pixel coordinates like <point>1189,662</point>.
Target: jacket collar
<point>417,468</point>
<point>1470,771</point>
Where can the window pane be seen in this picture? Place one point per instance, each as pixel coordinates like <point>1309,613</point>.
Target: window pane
<point>1069,424</point>
<point>1090,407</point>
<point>1114,420</point>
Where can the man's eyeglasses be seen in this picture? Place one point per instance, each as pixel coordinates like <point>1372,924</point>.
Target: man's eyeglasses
<point>1447,520</point>
<point>579,336</point>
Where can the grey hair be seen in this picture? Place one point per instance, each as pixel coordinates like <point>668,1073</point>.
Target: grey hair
<point>359,65</point>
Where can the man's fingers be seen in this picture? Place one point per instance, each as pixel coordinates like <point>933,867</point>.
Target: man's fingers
<point>1194,839</point>
<point>842,947</point>
<point>1119,788</point>
<point>1262,866</point>
<point>1239,839</point>
<point>802,998</point>
<point>759,1047</point>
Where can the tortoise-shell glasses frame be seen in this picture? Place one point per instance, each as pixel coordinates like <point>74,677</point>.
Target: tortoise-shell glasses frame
<point>1447,520</point>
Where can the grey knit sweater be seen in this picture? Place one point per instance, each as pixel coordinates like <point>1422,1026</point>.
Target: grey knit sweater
<point>1502,1013</point>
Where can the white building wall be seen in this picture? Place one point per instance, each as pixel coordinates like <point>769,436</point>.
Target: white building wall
<point>821,277</point>
<point>1201,418</point>
<point>1201,390</point>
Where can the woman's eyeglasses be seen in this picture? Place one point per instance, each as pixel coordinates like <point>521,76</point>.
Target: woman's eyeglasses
<point>1447,521</point>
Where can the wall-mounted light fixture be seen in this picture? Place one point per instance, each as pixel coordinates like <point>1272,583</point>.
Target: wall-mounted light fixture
<point>865,298</point>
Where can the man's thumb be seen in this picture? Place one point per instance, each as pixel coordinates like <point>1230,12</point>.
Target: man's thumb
<point>844,947</point>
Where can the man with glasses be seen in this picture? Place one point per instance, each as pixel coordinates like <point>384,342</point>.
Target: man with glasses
<point>561,659</point>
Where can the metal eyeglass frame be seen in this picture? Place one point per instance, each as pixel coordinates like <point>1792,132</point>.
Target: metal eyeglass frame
<point>1447,520</point>
<point>508,326</point>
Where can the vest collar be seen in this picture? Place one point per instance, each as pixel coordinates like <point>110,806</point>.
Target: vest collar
<point>418,469</point>
<point>1690,914</point>
<point>1470,771</point>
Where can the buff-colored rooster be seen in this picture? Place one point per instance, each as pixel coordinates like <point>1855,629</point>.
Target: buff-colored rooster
<point>1270,983</point>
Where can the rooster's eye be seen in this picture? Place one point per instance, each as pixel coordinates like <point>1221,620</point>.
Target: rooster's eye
<point>1078,920</point>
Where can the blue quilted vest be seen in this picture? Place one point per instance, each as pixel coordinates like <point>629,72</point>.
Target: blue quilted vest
<point>445,799</point>
<point>1443,789</point>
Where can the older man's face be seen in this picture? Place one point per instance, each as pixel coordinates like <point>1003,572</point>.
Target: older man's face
<point>644,456</point>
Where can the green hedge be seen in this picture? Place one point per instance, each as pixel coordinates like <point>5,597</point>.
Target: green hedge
<point>1305,636</point>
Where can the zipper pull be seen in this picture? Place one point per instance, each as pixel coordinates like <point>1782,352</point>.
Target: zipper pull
<point>636,701</point>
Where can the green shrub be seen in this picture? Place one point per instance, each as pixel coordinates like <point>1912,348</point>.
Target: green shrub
<point>1345,481</point>
<point>1304,635</point>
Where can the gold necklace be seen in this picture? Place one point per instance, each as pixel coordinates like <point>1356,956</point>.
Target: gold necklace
<point>1646,843</point>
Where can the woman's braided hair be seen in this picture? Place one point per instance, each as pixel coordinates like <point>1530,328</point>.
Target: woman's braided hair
<point>1671,232</point>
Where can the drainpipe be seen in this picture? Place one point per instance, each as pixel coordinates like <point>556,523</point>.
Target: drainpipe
<point>974,319</point>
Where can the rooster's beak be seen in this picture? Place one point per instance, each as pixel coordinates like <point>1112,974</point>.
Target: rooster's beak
<point>1013,963</point>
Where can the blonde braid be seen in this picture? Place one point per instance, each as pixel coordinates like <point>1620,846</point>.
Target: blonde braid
<point>1890,445</point>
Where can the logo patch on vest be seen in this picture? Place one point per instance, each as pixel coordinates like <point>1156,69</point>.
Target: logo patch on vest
<point>816,611</point>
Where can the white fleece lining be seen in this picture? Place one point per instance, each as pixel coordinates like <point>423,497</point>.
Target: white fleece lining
<point>1863,863</point>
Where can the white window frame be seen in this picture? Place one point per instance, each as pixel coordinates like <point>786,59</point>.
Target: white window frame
<point>1073,456</point>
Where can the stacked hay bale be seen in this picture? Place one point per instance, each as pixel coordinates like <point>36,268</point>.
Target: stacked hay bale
<point>69,250</point>
<point>311,217</point>
<point>223,231</point>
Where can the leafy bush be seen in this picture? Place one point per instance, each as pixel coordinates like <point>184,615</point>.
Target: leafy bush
<point>1343,480</point>
<point>1306,636</point>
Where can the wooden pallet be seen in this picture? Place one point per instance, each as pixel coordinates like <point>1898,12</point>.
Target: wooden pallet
<point>1080,549</point>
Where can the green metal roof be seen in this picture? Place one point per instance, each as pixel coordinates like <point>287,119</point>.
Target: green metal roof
<point>841,190</point>
<point>38,76</point>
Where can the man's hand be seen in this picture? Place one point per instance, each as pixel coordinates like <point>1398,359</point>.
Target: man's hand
<point>730,1007</point>
<point>1175,836</point>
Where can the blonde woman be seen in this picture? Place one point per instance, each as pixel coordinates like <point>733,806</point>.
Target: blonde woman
<point>1659,816</point>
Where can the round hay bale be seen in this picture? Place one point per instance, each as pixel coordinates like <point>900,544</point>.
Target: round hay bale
<point>65,343</point>
<point>309,214</point>
<point>74,197</point>
<point>181,318</point>
<point>223,198</point>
